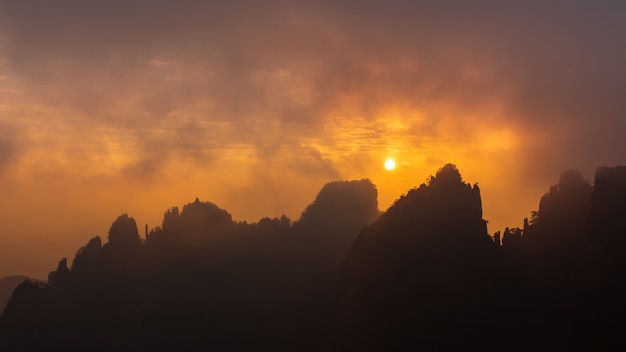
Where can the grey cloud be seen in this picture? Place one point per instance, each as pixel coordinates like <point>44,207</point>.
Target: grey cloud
<point>548,64</point>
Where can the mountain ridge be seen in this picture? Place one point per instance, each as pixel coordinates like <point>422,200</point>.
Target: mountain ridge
<point>423,274</point>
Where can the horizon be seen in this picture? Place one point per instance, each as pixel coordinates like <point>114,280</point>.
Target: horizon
<point>103,233</point>
<point>135,107</point>
<point>426,273</point>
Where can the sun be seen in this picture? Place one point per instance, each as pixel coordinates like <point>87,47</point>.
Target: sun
<point>390,164</point>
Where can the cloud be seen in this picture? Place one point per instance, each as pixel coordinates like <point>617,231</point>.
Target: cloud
<point>283,96</point>
<point>10,146</point>
<point>544,69</point>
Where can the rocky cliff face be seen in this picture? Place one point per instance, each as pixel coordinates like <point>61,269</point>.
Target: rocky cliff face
<point>420,272</point>
<point>332,222</point>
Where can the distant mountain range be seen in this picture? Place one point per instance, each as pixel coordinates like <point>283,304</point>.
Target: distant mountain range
<point>425,274</point>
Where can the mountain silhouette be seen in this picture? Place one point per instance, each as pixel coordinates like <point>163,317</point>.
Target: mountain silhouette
<point>425,274</point>
<point>420,272</point>
<point>199,280</point>
<point>7,285</point>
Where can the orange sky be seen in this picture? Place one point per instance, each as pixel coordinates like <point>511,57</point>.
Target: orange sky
<point>135,107</point>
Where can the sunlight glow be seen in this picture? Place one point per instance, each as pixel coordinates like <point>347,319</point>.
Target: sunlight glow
<point>390,164</point>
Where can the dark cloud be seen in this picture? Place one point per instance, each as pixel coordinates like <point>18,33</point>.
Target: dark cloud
<point>553,68</point>
<point>546,61</point>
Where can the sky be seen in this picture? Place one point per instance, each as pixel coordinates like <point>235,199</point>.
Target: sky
<point>111,107</point>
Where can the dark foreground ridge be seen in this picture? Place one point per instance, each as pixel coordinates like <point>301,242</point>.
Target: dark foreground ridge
<point>7,285</point>
<point>424,274</point>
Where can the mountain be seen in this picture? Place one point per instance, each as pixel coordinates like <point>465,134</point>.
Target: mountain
<point>200,280</point>
<point>7,285</point>
<point>420,276</point>
<point>425,274</point>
